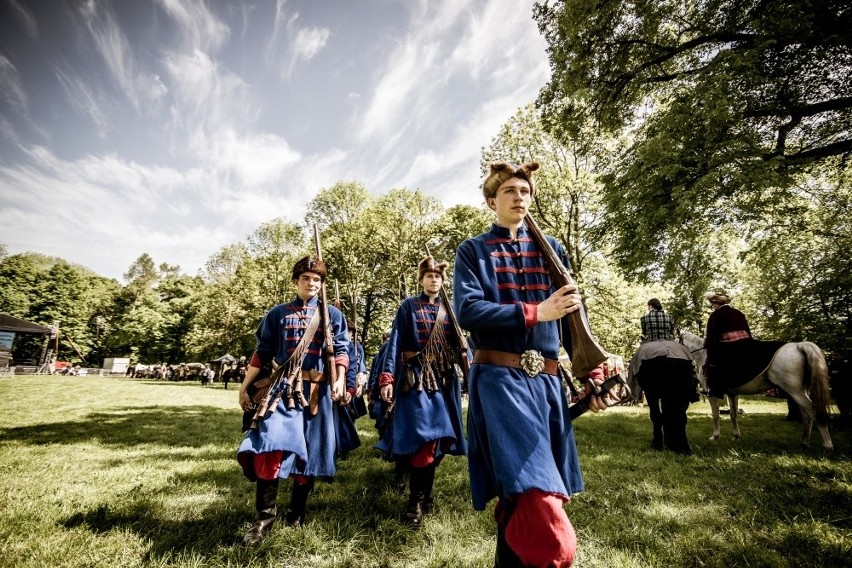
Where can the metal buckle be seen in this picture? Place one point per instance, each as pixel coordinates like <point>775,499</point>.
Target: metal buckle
<point>532,362</point>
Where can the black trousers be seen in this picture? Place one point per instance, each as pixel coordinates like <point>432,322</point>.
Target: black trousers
<point>668,385</point>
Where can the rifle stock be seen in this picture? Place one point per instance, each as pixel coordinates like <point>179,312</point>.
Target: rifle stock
<point>586,354</point>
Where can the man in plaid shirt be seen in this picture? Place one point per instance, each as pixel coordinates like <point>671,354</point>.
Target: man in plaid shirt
<point>657,324</point>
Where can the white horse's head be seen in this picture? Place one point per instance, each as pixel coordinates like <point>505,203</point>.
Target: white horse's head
<point>698,353</point>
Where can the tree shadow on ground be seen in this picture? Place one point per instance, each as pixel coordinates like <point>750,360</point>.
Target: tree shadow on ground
<point>194,426</point>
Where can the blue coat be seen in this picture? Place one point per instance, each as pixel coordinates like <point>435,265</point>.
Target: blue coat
<point>519,431</point>
<point>377,409</point>
<point>307,441</point>
<point>420,416</point>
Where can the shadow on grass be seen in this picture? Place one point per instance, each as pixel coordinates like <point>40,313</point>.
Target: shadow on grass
<point>360,501</point>
<point>194,426</point>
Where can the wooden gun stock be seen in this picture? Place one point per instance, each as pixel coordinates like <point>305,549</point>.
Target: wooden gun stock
<point>586,354</point>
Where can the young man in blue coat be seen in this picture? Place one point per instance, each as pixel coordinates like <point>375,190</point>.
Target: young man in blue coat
<point>296,438</point>
<point>520,435</point>
<point>421,382</point>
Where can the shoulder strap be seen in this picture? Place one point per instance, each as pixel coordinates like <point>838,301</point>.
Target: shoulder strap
<point>439,320</point>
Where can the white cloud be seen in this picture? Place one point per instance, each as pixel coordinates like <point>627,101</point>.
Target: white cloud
<point>290,44</point>
<point>207,98</point>
<point>306,43</point>
<point>200,27</point>
<point>141,88</point>
<point>11,89</point>
<point>478,64</point>
<point>25,17</point>
<point>81,98</point>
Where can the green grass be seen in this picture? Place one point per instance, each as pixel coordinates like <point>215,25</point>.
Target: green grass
<point>113,472</point>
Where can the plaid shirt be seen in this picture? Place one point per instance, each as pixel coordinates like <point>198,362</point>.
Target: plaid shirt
<point>657,324</point>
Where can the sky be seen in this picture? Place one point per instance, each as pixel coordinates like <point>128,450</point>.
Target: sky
<point>177,127</point>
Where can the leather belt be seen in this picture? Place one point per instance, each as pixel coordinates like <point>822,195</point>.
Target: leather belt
<point>506,359</point>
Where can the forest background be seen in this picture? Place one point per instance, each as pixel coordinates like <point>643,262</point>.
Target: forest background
<point>686,149</point>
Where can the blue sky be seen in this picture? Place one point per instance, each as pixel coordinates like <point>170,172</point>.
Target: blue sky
<point>176,127</point>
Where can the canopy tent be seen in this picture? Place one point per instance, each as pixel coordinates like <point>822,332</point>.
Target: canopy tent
<point>9,323</point>
<point>224,359</point>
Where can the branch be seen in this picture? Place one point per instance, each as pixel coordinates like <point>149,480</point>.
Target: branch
<point>841,103</point>
<point>835,149</point>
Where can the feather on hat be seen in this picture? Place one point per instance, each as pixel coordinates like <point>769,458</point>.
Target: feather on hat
<point>502,171</point>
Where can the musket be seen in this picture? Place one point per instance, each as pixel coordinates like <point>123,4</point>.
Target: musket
<point>586,354</point>
<point>581,406</point>
<point>463,348</point>
<point>328,349</point>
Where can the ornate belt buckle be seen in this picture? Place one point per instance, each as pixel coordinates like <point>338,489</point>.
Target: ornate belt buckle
<point>532,362</point>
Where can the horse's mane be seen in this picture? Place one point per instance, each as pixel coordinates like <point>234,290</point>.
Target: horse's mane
<point>691,341</point>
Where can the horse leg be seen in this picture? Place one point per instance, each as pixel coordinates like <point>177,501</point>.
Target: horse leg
<point>732,405</point>
<point>714,408</point>
<point>789,372</point>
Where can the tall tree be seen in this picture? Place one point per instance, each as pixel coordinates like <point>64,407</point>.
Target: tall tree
<point>340,214</point>
<point>274,247</point>
<point>225,321</point>
<point>732,101</point>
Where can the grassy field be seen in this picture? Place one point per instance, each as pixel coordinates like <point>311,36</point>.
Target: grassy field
<point>114,472</point>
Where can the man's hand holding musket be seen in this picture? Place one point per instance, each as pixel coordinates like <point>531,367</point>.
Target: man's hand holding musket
<point>564,301</point>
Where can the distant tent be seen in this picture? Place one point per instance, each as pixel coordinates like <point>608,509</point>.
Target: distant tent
<point>225,359</point>
<point>9,323</point>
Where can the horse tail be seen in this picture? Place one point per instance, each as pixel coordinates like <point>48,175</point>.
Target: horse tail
<point>819,391</point>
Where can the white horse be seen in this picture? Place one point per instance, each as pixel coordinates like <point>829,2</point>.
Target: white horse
<point>799,369</point>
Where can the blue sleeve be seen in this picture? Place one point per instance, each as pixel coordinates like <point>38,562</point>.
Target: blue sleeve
<point>393,350</point>
<point>352,370</point>
<point>341,334</point>
<point>268,335</point>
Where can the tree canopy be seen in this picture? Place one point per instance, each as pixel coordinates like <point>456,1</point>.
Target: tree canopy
<point>726,103</point>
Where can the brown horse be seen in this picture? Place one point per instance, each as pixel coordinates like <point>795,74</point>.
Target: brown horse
<point>799,369</point>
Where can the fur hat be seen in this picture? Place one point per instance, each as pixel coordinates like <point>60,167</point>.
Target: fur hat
<point>502,171</point>
<point>428,265</point>
<point>720,299</point>
<point>310,264</point>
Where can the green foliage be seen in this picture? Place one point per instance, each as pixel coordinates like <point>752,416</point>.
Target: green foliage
<point>275,247</point>
<point>723,111</point>
<point>799,275</point>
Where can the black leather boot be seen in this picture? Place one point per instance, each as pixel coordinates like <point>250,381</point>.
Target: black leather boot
<point>298,503</point>
<point>400,474</point>
<point>429,482</point>
<point>266,493</point>
<point>413,514</point>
